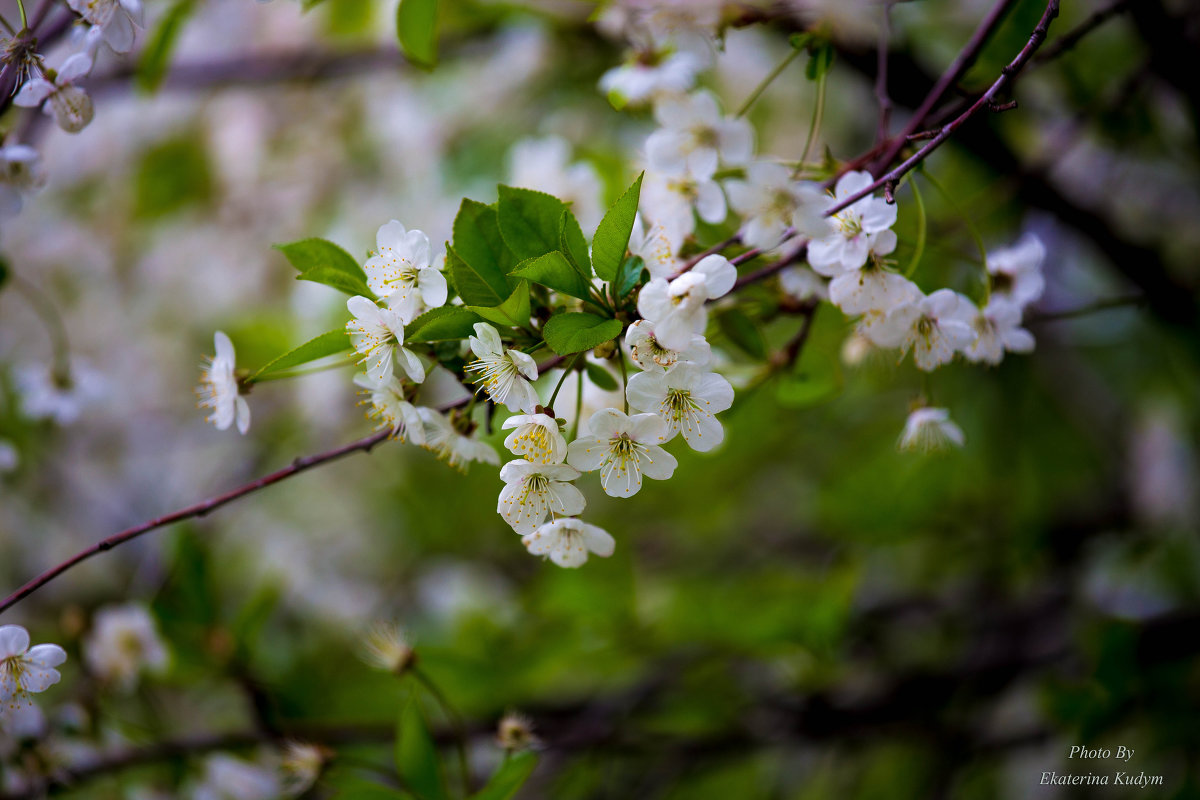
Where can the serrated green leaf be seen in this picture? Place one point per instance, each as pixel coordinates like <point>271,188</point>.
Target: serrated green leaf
<point>553,270</point>
<point>156,55</point>
<point>512,313</point>
<point>324,262</point>
<point>477,286</point>
<point>327,344</point>
<point>630,275</point>
<point>574,332</point>
<point>416,754</point>
<point>601,377</point>
<point>510,777</point>
<point>529,221</point>
<point>742,331</point>
<point>438,324</point>
<point>612,236</point>
<point>477,238</point>
<point>416,28</point>
<point>572,243</point>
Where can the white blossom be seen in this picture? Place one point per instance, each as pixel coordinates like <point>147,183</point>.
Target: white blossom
<point>229,778</point>
<point>695,138</point>
<point>457,450</point>
<point>504,374</point>
<point>673,202</point>
<point>118,20</point>
<point>25,670</point>
<point>871,289</point>
<point>400,271</point>
<point>930,326</point>
<point>388,648</point>
<point>50,391</point>
<point>536,437</point>
<point>568,541</point>
<point>1017,271</point>
<point>389,405</point>
<point>770,202</point>
<point>21,174</point>
<point>656,245</point>
<point>649,354</point>
<point>930,429</point>
<point>545,165</point>
<point>623,448</point>
<point>68,104</point>
<point>301,765</point>
<point>219,390</point>
<point>997,328</point>
<point>677,308</point>
<point>647,75</point>
<point>802,284</point>
<point>534,491</point>
<point>378,334</point>
<point>687,398</point>
<point>124,642</point>
<point>862,228</point>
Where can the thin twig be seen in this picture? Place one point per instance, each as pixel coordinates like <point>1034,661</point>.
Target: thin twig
<point>1071,38</point>
<point>881,77</point>
<point>753,277</point>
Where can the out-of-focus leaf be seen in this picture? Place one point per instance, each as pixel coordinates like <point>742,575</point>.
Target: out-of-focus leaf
<point>553,270</point>
<point>436,324</point>
<point>571,242</point>
<point>477,285</point>
<point>742,331</point>
<point>329,343</point>
<point>156,56</point>
<point>416,754</point>
<point>601,377</point>
<point>512,313</point>
<point>509,778</point>
<point>416,28</point>
<point>816,379</point>
<point>172,175</point>
<point>612,236</point>
<point>324,262</point>
<point>529,221</point>
<point>575,332</point>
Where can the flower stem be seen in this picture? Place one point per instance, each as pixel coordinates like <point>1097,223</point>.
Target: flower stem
<point>578,407</point>
<point>919,249</point>
<point>815,125</point>
<point>24,19</point>
<point>7,26</point>
<point>767,81</point>
<point>460,733</point>
<point>563,380</point>
<point>624,382</point>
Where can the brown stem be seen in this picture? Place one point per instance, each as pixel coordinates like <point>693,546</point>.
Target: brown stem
<point>881,78</point>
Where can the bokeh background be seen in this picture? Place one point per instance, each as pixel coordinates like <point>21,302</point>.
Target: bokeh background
<point>804,613</point>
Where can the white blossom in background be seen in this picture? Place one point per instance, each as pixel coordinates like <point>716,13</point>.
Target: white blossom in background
<point>49,392</point>
<point>401,271</point>
<point>1016,271</point>
<point>655,243</point>
<point>770,202</point>
<point>623,448</point>
<point>388,648</point>
<point>649,354</point>
<point>568,541</point>
<point>118,20</point>
<point>68,104</point>
<point>695,138</point>
<point>386,397</point>
<point>378,335</point>
<point>648,75</point>
<point>677,309</point>
<point>871,290</point>
<point>929,429</point>
<point>536,438</point>
<point>688,399</point>
<point>674,202</point>
<point>997,329</point>
<point>930,326</point>
<point>21,175</point>
<point>457,450</point>
<point>504,374</point>
<point>855,232</point>
<point>218,388</point>
<point>545,165</point>
<point>25,670</point>
<point>10,457</point>
<point>301,765</point>
<point>533,492</point>
<point>229,778</point>
<point>20,720</point>
<point>802,284</point>
<point>123,643</point>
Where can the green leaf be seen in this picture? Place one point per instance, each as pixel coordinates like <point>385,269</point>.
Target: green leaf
<point>510,777</point>
<point>478,241</point>
<point>437,324</point>
<point>484,286</point>
<point>512,313</point>
<point>743,332</point>
<point>327,344</point>
<point>416,28</point>
<point>574,332</point>
<point>553,270</point>
<point>156,55</point>
<point>416,754</point>
<point>571,242</point>
<point>612,236</point>
<point>630,275</point>
<point>324,262</point>
<point>601,377</point>
<point>529,221</point>
<point>172,175</point>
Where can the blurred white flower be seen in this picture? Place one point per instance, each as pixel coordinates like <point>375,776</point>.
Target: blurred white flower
<point>21,174</point>
<point>68,104</point>
<point>648,75</point>
<point>770,202</point>
<point>623,448</point>
<point>930,429</point>
<point>48,392</point>
<point>123,643</point>
<point>802,284</point>
<point>535,437</point>
<point>931,326</point>
<point>649,354</point>
<point>387,648</point>
<point>10,457</point>
<point>871,290</point>
<point>534,491</point>
<point>401,271</point>
<point>515,732</point>
<point>545,165</point>
<point>229,778</point>
<point>655,243</point>
<point>25,670</point>
<point>118,20</point>
<point>378,334</point>
<point>301,765</point>
<point>386,397</point>
<point>677,309</point>
<point>457,450</point>
<point>568,541</point>
<point>219,389</point>
<point>997,328</point>
<point>1017,271</point>
<point>695,137</point>
<point>687,398</point>
<point>504,374</point>
<point>673,202</point>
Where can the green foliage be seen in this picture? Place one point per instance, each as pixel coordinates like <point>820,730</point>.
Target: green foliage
<point>571,242</point>
<point>554,271</point>
<point>478,286</point>
<point>529,221</point>
<point>612,235</point>
<point>416,28</point>
<point>601,377</point>
<point>742,331</point>
<point>575,332</point>
<point>172,175</point>
<point>416,754</point>
<point>324,262</point>
<point>513,312</point>
<point>329,343</point>
<point>438,324</point>
<point>630,276</point>
<point>509,778</point>
<point>156,56</point>
<point>478,242</point>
